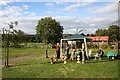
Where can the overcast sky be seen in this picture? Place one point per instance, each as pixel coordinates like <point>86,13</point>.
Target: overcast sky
<point>89,15</point>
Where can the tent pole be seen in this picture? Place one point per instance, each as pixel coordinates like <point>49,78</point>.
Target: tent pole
<point>86,50</point>
<point>61,47</point>
<point>71,45</point>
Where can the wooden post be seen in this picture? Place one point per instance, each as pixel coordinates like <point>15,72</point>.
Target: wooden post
<point>83,53</point>
<point>78,58</point>
<point>73,52</point>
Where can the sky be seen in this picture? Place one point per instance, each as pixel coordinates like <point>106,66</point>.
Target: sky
<point>87,15</point>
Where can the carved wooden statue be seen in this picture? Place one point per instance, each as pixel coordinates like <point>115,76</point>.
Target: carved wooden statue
<point>51,60</point>
<point>78,58</point>
<point>83,53</point>
<point>65,59</point>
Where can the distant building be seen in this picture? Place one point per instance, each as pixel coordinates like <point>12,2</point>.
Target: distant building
<point>99,39</point>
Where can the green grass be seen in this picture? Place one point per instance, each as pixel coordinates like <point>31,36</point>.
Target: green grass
<point>17,52</point>
<point>43,69</point>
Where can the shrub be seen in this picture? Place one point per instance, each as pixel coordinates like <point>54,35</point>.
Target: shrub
<point>104,46</point>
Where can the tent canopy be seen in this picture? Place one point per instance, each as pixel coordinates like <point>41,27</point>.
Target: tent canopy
<point>77,37</point>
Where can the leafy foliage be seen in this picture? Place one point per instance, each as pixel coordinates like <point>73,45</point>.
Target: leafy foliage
<point>101,32</point>
<point>112,32</point>
<point>6,41</point>
<point>49,29</point>
<point>18,37</point>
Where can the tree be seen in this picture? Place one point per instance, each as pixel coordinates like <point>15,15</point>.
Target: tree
<point>114,36</point>
<point>6,40</point>
<point>49,30</point>
<point>113,32</point>
<point>101,32</point>
<point>11,36</point>
<point>18,37</point>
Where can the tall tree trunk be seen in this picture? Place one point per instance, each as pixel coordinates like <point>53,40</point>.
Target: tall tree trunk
<point>7,52</point>
<point>46,49</point>
<point>5,46</point>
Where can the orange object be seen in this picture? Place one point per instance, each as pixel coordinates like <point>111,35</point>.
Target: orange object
<point>51,60</point>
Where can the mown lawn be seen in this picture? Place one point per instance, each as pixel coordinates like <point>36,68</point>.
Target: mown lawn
<point>18,52</point>
<point>41,67</point>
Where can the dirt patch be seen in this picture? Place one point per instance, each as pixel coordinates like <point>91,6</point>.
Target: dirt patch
<point>22,58</point>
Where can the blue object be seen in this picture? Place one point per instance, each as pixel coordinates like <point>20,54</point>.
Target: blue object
<point>75,56</point>
<point>76,53</point>
<point>111,54</point>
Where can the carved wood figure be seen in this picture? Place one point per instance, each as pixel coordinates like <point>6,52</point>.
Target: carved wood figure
<point>51,60</point>
<point>65,60</point>
<point>78,58</point>
<point>62,57</point>
<point>73,53</point>
<point>83,53</point>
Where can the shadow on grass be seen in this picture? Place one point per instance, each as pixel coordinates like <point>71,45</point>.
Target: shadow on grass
<point>57,62</point>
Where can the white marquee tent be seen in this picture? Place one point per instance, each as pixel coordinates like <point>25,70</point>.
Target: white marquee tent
<point>74,38</point>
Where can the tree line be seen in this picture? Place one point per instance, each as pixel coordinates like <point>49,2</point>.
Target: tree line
<point>112,32</point>
<point>48,30</point>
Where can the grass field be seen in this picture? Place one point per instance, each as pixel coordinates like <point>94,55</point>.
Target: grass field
<point>17,52</point>
<point>40,67</point>
<point>14,52</point>
<point>43,69</point>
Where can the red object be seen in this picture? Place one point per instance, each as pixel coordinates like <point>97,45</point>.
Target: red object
<point>99,38</point>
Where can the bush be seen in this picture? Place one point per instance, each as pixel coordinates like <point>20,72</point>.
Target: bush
<point>95,46</point>
<point>104,46</point>
<point>89,45</point>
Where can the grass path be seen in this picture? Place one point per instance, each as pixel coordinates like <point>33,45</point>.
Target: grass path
<point>16,60</point>
<point>18,55</point>
<point>22,58</point>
